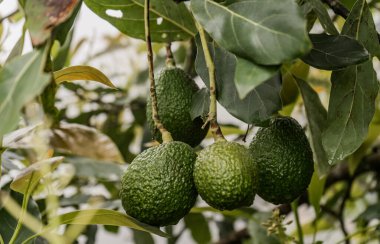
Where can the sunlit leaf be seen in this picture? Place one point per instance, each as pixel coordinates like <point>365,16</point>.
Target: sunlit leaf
<point>20,81</point>
<point>81,72</point>
<point>29,177</point>
<point>335,52</point>
<point>266,32</point>
<point>105,217</point>
<point>169,21</point>
<point>85,141</point>
<point>42,17</point>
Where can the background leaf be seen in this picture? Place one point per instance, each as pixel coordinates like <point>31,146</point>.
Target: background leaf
<point>257,106</point>
<point>319,9</point>
<point>264,31</point>
<point>200,103</point>
<point>169,21</point>
<point>32,174</point>
<point>81,72</point>
<point>335,52</point>
<point>85,141</point>
<point>42,17</point>
<point>20,81</point>
<point>198,227</point>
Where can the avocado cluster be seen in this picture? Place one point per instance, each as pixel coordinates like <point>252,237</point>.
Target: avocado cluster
<point>162,183</point>
<point>174,92</point>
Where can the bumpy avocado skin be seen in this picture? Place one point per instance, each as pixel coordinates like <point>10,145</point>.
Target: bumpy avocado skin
<point>158,187</point>
<point>284,160</point>
<point>224,176</point>
<point>174,91</point>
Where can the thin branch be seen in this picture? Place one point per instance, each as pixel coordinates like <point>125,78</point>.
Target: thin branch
<point>166,136</point>
<point>212,115</point>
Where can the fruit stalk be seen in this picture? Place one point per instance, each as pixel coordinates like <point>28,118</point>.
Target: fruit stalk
<point>212,115</point>
<point>170,62</point>
<point>166,136</point>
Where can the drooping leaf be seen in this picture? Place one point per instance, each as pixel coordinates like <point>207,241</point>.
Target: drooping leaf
<point>248,76</point>
<point>257,107</point>
<point>200,103</point>
<point>87,167</point>
<point>323,16</point>
<point>169,21</point>
<point>8,222</point>
<point>32,174</point>
<point>105,217</point>
<point>317,119</point>
<point>81,72</point>
<point>43,16</point>
<point>353,92</point>
<point>335,52</point>
<point>142,237</point>
<point>20,81</point>
<point>266,32</point>
<point>361,26</point>
<point>85,141</point>
<point>198,226</point>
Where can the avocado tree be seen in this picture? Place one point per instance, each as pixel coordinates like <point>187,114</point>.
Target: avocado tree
<point>148,154</point>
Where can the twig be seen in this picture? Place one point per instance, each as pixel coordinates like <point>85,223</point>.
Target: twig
<point>166,136</point>
<point>170,61</point>
<point>212,115</point>
<point>246,134</point>
<point>191,54</point>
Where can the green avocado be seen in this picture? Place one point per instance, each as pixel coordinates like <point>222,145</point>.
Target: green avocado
<point>158,187</point>
<point>284,160</point>
<point>224,175</point>
<point>174,91</point>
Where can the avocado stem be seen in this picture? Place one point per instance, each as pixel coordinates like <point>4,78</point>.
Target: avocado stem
<point>166,136</point>
<point>170,62</point>
<point>212,115</point>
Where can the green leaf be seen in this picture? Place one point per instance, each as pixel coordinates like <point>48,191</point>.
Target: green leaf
<point>237,213</point>
<point>33,174</point>
<point>200,104</point>
<point>104,217</point>
<point>315,191</point>
<point>266,32</point>
<point>361,26</point>
<point>62,31</point>
<point>81,72</point>
<point>335,52</point>
<point>169,21</point>
<point>257,107</point>
<point>17,48</point>
<point>248,76</point>
<point>20,81</point>
<point>42,18</point>
<point>198,226</point>
<point>353,92</point>
<point>323,16</point>
<point>317,119</point>
<point>8,222</point>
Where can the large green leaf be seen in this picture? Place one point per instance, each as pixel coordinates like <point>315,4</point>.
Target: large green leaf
<point>353,93</point>
<point>8,222</point>
<point>169,21</point>
<point>266,32</point>
<point>322,14</point>
<point>198,226</point>
<point>317,118</point>
<point>258,105</point>
<point>20,81</point>
<point>361,26</point>
<point>105,217</point>
<point>335,52</point>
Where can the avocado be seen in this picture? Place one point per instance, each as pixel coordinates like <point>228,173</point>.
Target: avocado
<point>158,187</point>
<point>174,92</point>
<point>224,175</point>
<point>284,160</point>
